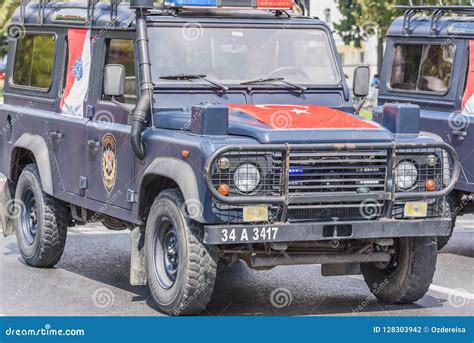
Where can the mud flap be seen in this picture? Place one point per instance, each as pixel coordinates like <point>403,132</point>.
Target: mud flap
<point>137,260</point>
<point>8,208</point>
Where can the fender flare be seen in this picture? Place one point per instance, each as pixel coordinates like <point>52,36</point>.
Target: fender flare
<point>184,176</point>
<point>37,145</point>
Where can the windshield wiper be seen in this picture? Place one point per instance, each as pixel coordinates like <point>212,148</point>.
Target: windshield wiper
<point>275,79</point>
<point>190,77</point>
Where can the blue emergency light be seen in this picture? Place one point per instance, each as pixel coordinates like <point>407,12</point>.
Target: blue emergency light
<point>232,4</point>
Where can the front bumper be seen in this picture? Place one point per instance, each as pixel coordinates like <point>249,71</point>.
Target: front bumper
<point>326,231</point>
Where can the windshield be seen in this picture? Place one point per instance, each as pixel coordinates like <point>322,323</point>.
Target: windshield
<point>236,55</point>
<point>423,68</point>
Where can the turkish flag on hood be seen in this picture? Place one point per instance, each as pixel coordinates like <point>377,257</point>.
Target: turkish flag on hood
<point>304,117</point>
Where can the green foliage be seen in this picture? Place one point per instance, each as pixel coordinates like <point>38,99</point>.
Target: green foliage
<point>3,44</point>
<point>348,28</point>
<point>7,7</point>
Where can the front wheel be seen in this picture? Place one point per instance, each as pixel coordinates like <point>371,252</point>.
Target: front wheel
<point>41,223</point>
<point>180,269</point>
<point>407,277</point>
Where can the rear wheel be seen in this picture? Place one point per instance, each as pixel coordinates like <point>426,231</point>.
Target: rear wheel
<point>180,269</point>
<point>41,221</point>
<point>407,277</point>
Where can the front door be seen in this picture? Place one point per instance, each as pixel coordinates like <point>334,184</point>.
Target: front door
<point>109,155</point>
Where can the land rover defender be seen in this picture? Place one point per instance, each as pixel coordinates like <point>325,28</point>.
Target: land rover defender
<point>216,131</point>
<point>429,61</point>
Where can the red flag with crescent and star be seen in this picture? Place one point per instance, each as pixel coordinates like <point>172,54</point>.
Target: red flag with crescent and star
<point>304,117</point>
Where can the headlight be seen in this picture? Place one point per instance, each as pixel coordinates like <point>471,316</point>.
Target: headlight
<point>406,175</point>
<point>247,177</point>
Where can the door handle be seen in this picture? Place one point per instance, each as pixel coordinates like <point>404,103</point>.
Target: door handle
<point>461,134</point>
<point>57,135</point>
<point>93,144</point>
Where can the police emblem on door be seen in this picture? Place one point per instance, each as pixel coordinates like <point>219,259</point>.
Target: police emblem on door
<point>109,162</point>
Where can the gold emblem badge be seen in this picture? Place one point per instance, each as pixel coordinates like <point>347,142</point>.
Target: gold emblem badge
<point>109,162</point>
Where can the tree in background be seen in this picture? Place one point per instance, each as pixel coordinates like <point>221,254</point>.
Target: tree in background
<point>348,28</point>
<point>365,18</point>
<point>7,7</point>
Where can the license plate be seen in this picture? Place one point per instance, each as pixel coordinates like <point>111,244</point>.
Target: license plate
<point>416,209</point>
<point>253,235</point>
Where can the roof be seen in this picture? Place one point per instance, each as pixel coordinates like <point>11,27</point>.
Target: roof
<point>446,27</point>
<point>125,17</point>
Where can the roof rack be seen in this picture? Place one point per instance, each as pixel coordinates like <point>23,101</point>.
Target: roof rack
<point>89,6</point>
<point>437,12</point>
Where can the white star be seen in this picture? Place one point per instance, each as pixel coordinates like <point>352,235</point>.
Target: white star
<point>298,112</point>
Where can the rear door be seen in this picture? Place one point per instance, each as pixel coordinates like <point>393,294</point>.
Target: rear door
<point>434,76</point>
<point>109,156</point>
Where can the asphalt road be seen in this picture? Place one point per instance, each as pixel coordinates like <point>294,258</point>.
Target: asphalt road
<point>92,279</point>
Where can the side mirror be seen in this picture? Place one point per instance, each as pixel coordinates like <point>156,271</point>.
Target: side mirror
<point>114,80</point>
<point>361,81</point>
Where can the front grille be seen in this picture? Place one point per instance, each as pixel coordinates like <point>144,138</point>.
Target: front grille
<point>328,182</point>
<point>329,172</point>
<point>336,211</point>
<point>353,172</point>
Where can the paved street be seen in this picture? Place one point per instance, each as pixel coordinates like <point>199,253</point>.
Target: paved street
<point>92,279</point>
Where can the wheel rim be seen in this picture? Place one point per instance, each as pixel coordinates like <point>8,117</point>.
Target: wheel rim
<point>29,216</point>
<point>391,266</point>
<point>166,253</point>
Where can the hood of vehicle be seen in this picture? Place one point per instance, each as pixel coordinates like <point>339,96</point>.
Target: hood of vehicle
<point>302,124</point>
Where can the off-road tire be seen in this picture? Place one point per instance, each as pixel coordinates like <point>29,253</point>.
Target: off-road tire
<point>408,280</point>
<point>443,240</point>
<point>52,218</point>
<point>197,263</point>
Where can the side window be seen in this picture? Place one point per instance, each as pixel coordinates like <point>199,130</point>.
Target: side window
<point>120,51</point>
<point>34,60</point>
<point>426,68</point>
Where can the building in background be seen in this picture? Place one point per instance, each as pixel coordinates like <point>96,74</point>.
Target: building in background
<point>351,57</point>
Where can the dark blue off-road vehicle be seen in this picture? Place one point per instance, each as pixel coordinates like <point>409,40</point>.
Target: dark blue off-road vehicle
<point>429,62</point>
<point>215,133</point>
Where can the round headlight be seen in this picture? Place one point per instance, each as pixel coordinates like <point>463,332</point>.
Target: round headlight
<point>406,175</point>
<point>247,177</point>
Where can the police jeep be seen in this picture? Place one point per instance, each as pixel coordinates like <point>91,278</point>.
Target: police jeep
<point>429,62</point>
<point>215,135</point>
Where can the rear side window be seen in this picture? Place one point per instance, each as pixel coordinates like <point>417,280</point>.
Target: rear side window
<point>423,68</point>
<point>120,51</point>
<point>34,60</point>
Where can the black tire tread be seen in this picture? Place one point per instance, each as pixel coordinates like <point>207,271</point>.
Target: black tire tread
<point>202,262</point>
<point>416,277</point>
<point>54,231</point>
